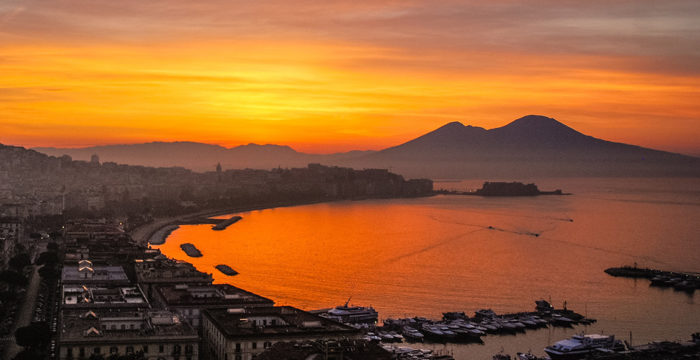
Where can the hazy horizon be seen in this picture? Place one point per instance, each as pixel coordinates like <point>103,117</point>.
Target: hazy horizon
<point>338,75</point>
<point>283,144</point>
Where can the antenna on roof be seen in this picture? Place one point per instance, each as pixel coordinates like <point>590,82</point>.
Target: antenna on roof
<point>347,302</point>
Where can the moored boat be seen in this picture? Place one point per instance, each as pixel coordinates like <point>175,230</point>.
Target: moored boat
<point>352,314</point>
<point>579,346</point>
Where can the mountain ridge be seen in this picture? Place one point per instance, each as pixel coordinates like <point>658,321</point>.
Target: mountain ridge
<point>533,145</point>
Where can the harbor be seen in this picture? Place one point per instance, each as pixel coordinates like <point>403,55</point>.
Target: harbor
<point>454,327</point>
<point>463,266</point>
<point>408,338</point>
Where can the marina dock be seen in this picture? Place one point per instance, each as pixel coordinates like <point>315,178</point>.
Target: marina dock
<point>682,281</point>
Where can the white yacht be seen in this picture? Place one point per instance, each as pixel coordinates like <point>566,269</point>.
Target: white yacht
<point>581,345</point>
<point>352,314</point>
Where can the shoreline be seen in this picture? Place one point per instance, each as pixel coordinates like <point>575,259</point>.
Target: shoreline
<point>153,233</point>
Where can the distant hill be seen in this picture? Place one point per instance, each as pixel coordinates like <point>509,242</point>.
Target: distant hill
<point>201,157</point>
<point>532,146</point>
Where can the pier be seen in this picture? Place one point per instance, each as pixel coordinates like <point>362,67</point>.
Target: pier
<point>683,281</point>
<point>226,223</point>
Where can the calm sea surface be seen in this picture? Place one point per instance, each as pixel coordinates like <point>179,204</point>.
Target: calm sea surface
<point>422,257</point>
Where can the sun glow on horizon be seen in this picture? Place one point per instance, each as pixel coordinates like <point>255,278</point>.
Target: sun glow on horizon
<point>321,94</point>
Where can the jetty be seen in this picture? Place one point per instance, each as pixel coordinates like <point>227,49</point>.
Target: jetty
<point>158,238</point>
<point>682,281</point>
<point>190,250</point>
<point>226,223</point>
<point>226,270</point>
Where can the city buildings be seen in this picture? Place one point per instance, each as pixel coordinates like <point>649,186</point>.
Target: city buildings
<point>243,333</point>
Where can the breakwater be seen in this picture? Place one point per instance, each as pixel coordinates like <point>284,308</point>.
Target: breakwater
<point>684,281</point>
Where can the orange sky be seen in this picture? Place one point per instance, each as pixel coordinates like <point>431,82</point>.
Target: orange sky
<point>341,75</point>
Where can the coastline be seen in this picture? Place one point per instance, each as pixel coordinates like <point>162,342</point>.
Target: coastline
<point>156,232</point>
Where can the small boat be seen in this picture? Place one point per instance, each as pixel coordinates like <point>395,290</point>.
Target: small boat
<point>526,356</point>
<point>508,327</point>
<point>559,320</point>
<point>432,333</point>
<point>530,323</point>
<point>659,280</point>
<point>684,286</point>
<point>226,270</point>
<point>411,334</point>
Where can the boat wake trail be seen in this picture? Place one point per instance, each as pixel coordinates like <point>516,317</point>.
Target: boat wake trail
<point>494,228</point>
<point>609,251</point>
<point>528,233</point>
<point>432,246</point>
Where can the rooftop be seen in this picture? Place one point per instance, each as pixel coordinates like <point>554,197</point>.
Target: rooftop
<point>211,295</point>
<point>100,326</point>
<point>84,296</point>
<point>271,321</point>
<point>82,273</point>
<point>162,269</point>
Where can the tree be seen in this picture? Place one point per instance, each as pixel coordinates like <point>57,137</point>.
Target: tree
<point>33,336</point>
<point>13,278</point>
<point>52,246</point>
<point>28,354</point>
<point>48,271</point>
<point>19,261</point>
<point>48,257</point>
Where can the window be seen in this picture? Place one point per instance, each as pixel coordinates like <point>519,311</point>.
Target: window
<point>129,349</point>
<point>81,353</point>
<point>131,326</point>
<point>96,350</point>
<point>238,347</point>
<point>255,345</point>
<point>177,349</point>
<point>123,326</point>
<point>273,321</point>
<point>265,322</point>
<point>161,348</point>
<point>69,352</point>
<point>238,357</point>
<point>113,350</point>
<point>267,345</point>
<point>145,349</point>
<point>188,349</point>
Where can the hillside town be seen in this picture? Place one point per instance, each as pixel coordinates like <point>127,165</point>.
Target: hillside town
<point>74,284</point>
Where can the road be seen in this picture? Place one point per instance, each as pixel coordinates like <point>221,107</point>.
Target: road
<point>24,314</point>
